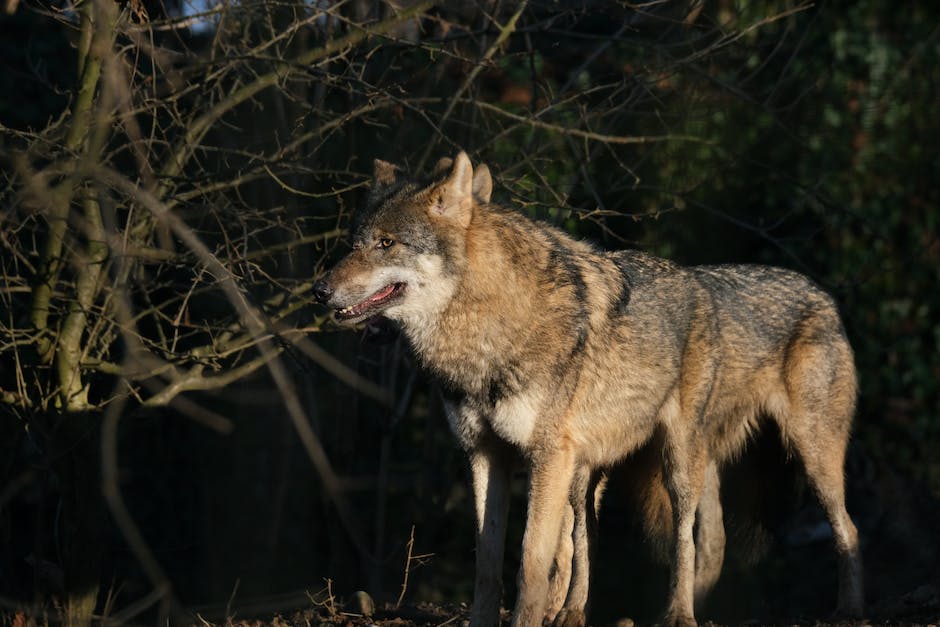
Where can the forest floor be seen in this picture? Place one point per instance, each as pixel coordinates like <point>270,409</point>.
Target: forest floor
<point>792,584</point>
<point>926,615</point>
<point>920,609</point>
<point>910,612</point>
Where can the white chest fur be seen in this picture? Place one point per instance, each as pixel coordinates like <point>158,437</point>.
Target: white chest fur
<point>514,417</point>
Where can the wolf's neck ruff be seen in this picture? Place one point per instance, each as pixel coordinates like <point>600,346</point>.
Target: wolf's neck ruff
<point>500,312</point>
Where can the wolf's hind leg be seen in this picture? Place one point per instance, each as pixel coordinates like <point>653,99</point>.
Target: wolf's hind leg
<point>561,566</point>
<point>685,469</point>
<point>824,469</point>
<point>709,535</point>
<point>586,492</point>
<point>816,425</point>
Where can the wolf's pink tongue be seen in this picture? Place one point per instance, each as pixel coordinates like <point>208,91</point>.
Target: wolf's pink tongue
<point>385,292</point>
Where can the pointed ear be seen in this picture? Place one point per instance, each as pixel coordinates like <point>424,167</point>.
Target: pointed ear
<point>453,198</point>
<point>443,165</point>
<point>385,173</point>
<point>482,184</point>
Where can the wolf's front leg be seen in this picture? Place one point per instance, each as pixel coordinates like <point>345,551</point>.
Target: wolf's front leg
<point>491,472</point>
<point>549,484</point>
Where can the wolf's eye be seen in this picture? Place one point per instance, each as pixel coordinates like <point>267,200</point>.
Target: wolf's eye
<point>385,242</point>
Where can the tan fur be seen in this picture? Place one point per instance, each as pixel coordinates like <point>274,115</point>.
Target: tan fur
<point>567,359</point>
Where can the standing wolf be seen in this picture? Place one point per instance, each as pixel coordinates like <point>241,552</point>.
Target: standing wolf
<point>570,358</point>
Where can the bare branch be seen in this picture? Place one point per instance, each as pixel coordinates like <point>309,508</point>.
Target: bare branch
<point>199,127</point>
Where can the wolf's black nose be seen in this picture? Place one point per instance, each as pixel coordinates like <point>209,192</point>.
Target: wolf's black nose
<point>321,291</point>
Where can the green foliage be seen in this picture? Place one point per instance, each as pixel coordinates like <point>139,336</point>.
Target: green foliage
<point>879,101</point>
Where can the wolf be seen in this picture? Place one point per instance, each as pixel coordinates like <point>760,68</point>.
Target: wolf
<point>566,358</point>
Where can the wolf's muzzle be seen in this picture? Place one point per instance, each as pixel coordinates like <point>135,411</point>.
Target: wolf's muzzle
<point>322,291</point>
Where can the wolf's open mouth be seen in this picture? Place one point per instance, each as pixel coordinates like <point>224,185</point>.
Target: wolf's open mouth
<point>385,295</point>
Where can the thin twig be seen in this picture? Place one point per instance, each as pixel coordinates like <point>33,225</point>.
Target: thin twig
<point>504,32</point>
<point>404,582</point>
<point>199,127</point>
<point>599,137</point>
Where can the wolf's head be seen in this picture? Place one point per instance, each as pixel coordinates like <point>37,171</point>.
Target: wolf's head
<point>409,244</point>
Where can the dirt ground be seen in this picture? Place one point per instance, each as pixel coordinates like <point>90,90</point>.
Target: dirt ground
<point>918,609</point>
<point>793,583</point>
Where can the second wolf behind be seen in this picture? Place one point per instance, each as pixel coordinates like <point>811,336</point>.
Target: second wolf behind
<point>568,358</point>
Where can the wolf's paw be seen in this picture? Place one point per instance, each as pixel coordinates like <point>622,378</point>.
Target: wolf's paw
<point>677,620</point>
<point>569,618</point>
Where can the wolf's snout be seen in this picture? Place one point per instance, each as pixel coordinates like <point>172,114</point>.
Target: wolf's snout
<point>322,291</point>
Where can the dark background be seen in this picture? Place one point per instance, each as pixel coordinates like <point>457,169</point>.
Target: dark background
<point>798,135</point>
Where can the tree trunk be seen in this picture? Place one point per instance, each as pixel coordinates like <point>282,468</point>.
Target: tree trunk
<point>76,459</point>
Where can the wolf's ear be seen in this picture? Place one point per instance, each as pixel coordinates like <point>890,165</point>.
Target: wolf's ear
<point>453,198</point>
<point>482,184</point>
<point>385,174</point>
<point>442,166</point>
